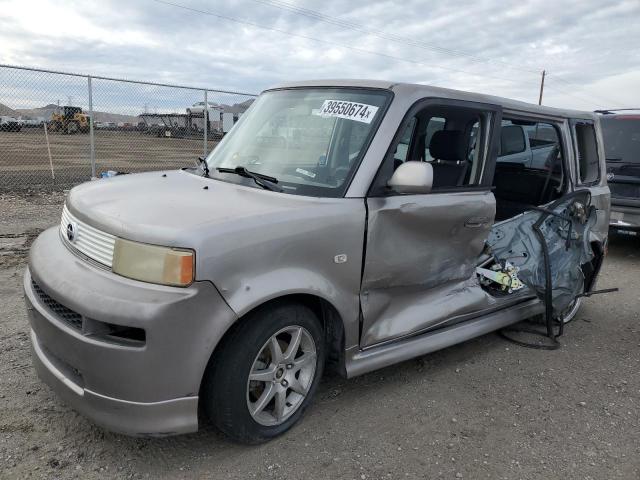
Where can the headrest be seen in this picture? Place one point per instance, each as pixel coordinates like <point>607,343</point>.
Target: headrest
<point>448,145</point>
<point>511,140</point>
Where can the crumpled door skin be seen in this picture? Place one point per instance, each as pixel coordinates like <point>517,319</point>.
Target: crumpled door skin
<point>566,234</point>
<point>420,262</point>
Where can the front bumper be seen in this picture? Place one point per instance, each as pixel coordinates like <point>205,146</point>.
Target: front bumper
<point>147,387</point>
<point>625,217</point>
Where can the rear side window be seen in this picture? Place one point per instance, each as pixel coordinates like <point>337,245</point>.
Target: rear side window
<point>532,145</point>
<point>587,149</point>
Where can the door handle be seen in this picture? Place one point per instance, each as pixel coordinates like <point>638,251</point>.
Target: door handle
<point>476,222</point>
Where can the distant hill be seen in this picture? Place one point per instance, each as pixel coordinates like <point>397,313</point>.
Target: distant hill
<point>46,111</point>
<point>4,110</point>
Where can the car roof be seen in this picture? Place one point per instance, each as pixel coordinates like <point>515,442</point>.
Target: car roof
<point>621,113</point>
<point>413,89</point>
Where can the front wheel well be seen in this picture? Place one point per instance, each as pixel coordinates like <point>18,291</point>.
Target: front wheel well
<point>330,319</point>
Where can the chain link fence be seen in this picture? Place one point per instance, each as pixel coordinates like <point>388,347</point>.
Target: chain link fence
<point>59,129</point>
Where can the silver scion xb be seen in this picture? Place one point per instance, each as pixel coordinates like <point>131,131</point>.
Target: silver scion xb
<point>342,224</point>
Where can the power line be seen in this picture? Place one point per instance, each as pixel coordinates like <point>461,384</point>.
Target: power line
<point>362,50</point>
<point>314,14</point>
<point>575,85</point>
<point>371,52</point>
<point>335,44</point>
<point>572,94</point>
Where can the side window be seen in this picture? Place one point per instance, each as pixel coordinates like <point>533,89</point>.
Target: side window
<point>587,150</point>
<point>451,138</point>
<point>450,146</point>
<point>530,167</point>
<point>533,145</point>
<point>544,142</point>
<point>402,149</point>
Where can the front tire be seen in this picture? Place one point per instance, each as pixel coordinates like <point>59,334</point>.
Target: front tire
<point>72,128</point>
<point>264,375</point>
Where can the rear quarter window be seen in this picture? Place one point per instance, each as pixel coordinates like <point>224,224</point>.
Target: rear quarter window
<point>587,152</point>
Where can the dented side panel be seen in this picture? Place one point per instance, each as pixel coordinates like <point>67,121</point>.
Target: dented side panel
<point>421,254</point>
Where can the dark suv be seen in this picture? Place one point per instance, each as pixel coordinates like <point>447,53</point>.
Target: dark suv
<point>621,133</point>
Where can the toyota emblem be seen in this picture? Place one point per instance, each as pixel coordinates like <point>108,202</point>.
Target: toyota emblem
<point>72,231</point>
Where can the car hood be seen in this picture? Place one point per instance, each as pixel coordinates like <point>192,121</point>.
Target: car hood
<point>239,233</point>
<point>177,208</point>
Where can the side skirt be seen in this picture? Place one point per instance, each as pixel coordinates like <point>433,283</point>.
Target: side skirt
<point>358,362</point>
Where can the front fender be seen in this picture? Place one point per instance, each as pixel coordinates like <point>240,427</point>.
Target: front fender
<point>260,288</point>
<point>314,250</point>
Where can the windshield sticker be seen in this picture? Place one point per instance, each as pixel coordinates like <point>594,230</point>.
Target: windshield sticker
<point>360,112</point>
<point>306,173</point>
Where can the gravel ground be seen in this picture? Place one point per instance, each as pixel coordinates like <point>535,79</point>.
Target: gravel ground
<point>483,409</point>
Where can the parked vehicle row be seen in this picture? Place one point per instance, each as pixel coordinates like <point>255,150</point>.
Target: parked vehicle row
<point>9,124</point>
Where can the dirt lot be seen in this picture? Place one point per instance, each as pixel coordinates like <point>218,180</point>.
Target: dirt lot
<point>484,409</point>
<point>24,158</point>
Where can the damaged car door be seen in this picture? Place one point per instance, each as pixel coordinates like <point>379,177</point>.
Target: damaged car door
<point>549,248</point>
<point>422,248</point>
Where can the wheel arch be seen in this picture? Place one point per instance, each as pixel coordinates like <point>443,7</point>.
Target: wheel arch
<point>329,317</point>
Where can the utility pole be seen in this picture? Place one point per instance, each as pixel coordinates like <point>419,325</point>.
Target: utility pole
<point>544,73</point>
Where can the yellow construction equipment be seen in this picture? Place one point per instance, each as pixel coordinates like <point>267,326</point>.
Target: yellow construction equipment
<point>69,120</point>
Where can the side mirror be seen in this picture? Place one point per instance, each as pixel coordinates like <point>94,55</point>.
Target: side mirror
<point>412,177</point>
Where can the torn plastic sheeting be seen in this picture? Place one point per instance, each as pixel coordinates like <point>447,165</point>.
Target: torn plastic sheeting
<point>515,240</point>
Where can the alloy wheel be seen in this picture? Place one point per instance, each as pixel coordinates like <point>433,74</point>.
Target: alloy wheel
<point>281,375</point>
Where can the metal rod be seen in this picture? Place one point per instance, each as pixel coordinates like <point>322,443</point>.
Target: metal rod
<point>206,122</point>
<point>2,65</point>
<point>46,136</point>
<point>91,137</point>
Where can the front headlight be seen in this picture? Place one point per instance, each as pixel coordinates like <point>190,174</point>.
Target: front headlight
<point>154,264</point>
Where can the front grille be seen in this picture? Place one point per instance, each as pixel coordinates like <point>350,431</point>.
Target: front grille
<point>104,331</point>
<point>65,314</point>
<point>88,240</point>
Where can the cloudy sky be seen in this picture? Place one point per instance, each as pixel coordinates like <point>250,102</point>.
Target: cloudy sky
<point>590,48</point>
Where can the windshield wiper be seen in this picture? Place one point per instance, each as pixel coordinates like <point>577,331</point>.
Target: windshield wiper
<point>265,181</point>
<point>202,163</point>
<point>613,159</point>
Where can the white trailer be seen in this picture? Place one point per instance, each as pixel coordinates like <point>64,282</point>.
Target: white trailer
<point>227,121</point>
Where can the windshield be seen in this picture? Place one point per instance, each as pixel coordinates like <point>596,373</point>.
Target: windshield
<point>310,140</point>
<point>621,138</point>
